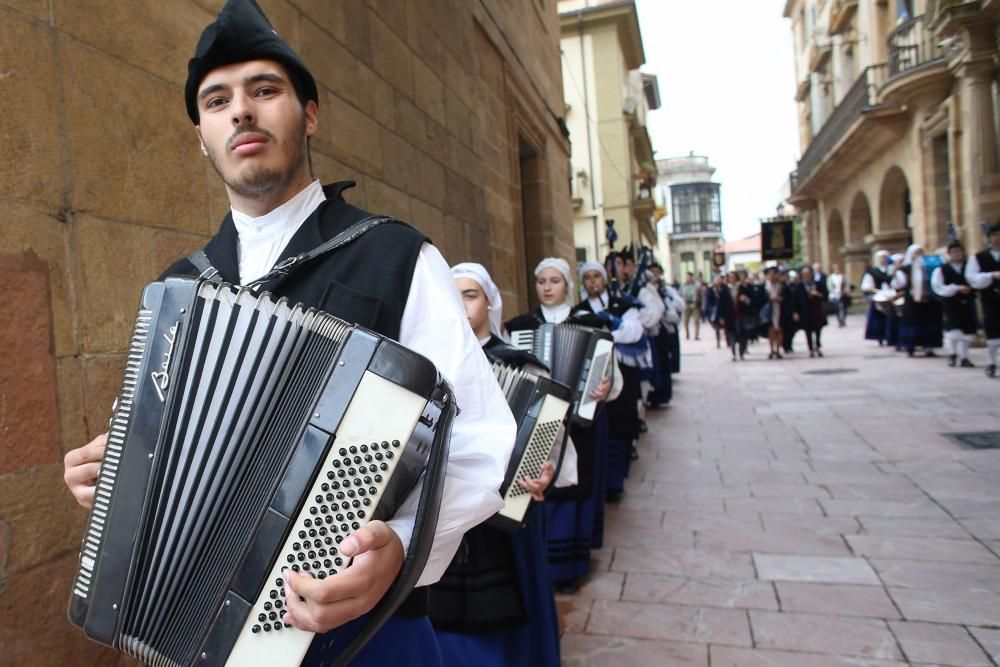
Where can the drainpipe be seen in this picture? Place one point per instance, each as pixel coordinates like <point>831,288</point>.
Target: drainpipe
<point>590,143</point>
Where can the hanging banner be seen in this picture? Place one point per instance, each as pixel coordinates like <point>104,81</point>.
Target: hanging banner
<point>777,239</point>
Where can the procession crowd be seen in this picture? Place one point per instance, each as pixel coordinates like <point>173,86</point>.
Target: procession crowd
<point>914,302</point>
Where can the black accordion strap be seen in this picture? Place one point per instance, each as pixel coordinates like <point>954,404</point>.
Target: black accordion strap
<point>208,272</point>
<point>345,237</point>
<point>204,265</point>
<point>424,527</point>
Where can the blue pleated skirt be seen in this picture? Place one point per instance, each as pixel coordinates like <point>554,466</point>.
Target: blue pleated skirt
<point>401,641</point>
<point>920,334</point>
<point>875,324</point>
<point>533,643</point>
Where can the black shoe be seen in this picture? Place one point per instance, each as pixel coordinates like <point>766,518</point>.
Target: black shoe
<point>634,454</point>
<point>909,353</point>
<point>991,371</point>
<point>951,360</point>
<point>819,353</point>
<point>967,364</point>
<point>642,426</point>
<point>613,497</point>
<point>568,587</point>
<point>811,354</point>
<point>930,353</point>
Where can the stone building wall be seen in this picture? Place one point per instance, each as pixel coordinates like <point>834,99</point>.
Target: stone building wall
<point>444,111</point>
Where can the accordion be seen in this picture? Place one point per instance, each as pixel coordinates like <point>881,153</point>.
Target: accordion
<point>250,436</point>
<point>577,356</point>
<point>539,406</point>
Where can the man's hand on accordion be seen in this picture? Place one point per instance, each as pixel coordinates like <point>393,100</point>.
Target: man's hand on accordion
<point>538,485</point>
<point>81,468</point>
<point>320,605</point>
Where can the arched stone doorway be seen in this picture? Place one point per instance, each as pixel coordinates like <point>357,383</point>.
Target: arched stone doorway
<point>895,212</point>
<point>857,248</point>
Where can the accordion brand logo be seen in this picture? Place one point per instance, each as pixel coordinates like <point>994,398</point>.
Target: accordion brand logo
<point>161,378</point>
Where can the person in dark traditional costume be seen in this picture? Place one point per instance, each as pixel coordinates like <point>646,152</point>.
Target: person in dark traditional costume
<point>494,604</point>
<point>983,274</point>
<point>876,281</point>
<point>634,357</point>
<point>574,515</point>
<point>713,300</point>
<point>921,323</point>
<point>809,296</point>
<point>735,338</point>
<point>254,105</point>
<point>894,316</point>
<point>949,282</point>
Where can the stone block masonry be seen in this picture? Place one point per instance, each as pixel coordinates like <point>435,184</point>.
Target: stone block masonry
<point>425,103</point>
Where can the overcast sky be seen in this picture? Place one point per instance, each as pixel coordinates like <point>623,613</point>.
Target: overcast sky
<point>727,86</point>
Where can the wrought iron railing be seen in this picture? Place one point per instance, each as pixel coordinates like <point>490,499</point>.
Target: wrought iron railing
<point>910,46</point>
<point>863,95</point>
<point>697,227</point>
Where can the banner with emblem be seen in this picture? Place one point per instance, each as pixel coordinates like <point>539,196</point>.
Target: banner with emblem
<point>777,238</point>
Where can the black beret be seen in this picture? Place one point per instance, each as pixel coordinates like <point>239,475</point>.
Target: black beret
<point>241,33</point>
<point>993,229</point>
<point>956,244</point>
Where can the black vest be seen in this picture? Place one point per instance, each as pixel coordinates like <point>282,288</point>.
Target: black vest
<point>366,282</point>
<point>991,294</point>
<point>878,275</point>
<point>959,310</point>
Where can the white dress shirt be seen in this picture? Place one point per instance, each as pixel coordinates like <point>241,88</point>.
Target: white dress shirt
<point>977,278</point>
<point>630,330</point>
<point>835,285</point>
<point>435,325</point>
<point>939,287</point>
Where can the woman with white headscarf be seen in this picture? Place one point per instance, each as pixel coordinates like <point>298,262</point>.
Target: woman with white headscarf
<point>921,322</point>
<point>494,604</point>
<point>875,283</point>
<point>574,514</point>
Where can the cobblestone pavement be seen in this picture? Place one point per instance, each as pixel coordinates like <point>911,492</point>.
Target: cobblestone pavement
<point>782,518</point>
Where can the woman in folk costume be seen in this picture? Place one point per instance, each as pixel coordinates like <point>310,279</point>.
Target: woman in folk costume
<point>635,359</point>
<point>921,322</point>
<point>494,604</point>
<point>574,515</point>
<point>894,316</point>
<point>876,280</point>
<point>983,274</point>
<point>948,281</point>
<point>667,327</point>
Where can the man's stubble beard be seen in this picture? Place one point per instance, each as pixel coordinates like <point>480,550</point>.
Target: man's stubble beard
<point>263,181</point>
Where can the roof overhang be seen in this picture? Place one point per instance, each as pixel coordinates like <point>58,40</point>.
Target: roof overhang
<point>621,14</point>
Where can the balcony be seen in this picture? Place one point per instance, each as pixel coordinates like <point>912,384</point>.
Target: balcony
<point>857,130</point>
<point>643,204</point>
<point>916,66</point>
<point>697,228</point>
<point>840,17</point>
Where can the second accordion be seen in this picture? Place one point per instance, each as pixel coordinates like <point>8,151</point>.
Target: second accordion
<point>539,406</point>
<point>250,437</point>
<point>578,356</point>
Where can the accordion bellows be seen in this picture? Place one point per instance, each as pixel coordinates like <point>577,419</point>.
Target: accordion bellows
<point>577,356</point>
<point>250,436</point>
<point>539,406</point>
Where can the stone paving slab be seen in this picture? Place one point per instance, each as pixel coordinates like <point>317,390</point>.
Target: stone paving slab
<point>781,519</point>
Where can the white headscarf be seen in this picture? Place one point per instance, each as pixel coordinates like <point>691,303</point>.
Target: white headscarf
<point>881,253</point>
<point>916,265</point>
<point>591,266</point>
<point>561,311</point>
<point>478,273</point>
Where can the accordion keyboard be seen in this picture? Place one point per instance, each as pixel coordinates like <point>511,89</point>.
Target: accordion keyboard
<point>344,497</point>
